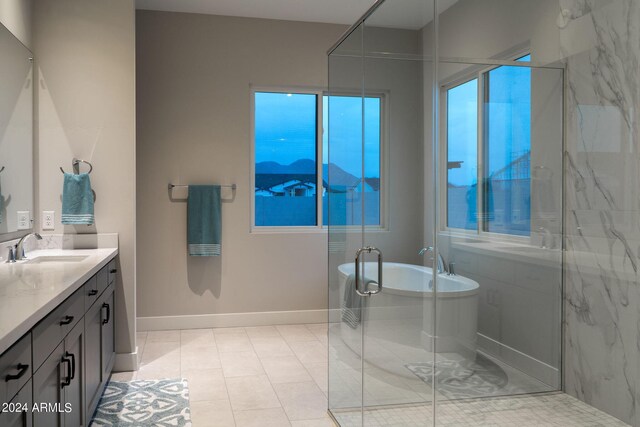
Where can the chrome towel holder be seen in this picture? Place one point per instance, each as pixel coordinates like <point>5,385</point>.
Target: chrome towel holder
<point>172,186</point>
<point>75,164</point>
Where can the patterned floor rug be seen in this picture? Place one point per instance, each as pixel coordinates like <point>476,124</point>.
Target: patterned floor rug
<point>157,403</point>
<point>460,379</point>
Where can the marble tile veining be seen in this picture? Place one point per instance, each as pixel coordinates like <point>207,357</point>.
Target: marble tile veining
<point>602,208</point>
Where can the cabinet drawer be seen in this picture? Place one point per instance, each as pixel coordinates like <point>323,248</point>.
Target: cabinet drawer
<point>15,368</point>
<point>52,329</point>
<point>91,292</point>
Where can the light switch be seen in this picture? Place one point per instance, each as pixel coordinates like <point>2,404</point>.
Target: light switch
<point>24,220</point>
<point>48,220</point>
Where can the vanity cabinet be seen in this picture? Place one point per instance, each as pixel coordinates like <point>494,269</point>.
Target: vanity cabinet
<point>93,344</point>
<point>15,384</point>
<point>15,369</point>
<point>19,413</point>
<point>59,369</point>
<point>107,332</point>
<point>58,384</point>
<point>73,391</point>
<point>100,347</point>
<point>48,391</point>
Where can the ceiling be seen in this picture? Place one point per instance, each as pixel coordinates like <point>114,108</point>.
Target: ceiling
<point>329,11</point>
<point>408,14</point>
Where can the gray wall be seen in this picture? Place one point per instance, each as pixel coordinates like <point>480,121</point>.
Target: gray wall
<point>194,77</point>
<point>16,16</point>
<point>193,112</point>
<point>85,66</point>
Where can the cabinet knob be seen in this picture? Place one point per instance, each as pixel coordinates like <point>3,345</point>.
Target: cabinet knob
<point>113,271</point>
<point>93,292</point>
<point>66,320</point>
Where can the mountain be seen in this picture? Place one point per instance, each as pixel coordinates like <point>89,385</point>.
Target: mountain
<point>302,166</point>
<point>338,176</point>
<point>269,174</point>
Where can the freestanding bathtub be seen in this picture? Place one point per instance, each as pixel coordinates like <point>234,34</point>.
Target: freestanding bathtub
<point>403,312</point>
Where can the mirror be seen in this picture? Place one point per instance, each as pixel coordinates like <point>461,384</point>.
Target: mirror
<point>16,134</point>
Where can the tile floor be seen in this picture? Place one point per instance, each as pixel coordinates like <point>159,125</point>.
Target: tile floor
<point>256,376</point>
<point>277,376</point>
<point>547,409</point>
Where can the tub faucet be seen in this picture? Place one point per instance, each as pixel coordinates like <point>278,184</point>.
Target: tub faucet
<point>548,241</point>
<point>440,265</point>
<point>19,249</point>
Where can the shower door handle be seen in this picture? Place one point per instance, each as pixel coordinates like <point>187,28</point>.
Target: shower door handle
<point>367,293</point>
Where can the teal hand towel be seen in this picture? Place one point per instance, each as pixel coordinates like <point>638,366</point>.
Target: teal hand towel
<point>204,220</point>
<point>77,199</point>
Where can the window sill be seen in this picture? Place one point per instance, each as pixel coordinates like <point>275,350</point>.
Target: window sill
<point>288,230</point>
<point>316,230</point>
<point>473,236</point>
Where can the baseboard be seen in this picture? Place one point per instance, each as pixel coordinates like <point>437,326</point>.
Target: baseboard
<point>516,359</point>
<point>126,362</point>
<point>226,320</point>
<point>446,345</point>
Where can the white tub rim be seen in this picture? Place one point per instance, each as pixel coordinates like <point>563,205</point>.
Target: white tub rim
<point>472,287</point>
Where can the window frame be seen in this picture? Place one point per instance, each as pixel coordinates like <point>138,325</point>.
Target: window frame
<point>479,73</point>
<point>320,93</point>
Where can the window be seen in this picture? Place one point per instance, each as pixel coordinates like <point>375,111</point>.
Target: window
<point>285,135</point>
<point>346,164</point>
<point>503,196</point>
<point>290,172</point>
<point>462,155</point>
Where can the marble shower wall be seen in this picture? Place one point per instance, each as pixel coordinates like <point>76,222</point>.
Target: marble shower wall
<point>601,42</point>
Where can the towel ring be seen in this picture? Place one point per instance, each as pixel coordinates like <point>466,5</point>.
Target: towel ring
<point>1,169</point>
<point>76,166</point>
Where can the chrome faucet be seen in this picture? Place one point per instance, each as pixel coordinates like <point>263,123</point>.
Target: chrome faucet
<point>440,265</point>
<point>548,241</point>
<point>19,248</point>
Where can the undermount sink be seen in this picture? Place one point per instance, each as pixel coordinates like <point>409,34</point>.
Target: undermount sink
<point>56,258</point>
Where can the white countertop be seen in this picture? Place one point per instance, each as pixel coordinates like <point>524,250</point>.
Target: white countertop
<point>28,292</point>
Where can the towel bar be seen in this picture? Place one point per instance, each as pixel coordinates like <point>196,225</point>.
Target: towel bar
<point>172,186</point>
<point>75,163</point>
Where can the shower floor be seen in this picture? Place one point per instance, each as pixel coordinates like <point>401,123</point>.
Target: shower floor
<point>544,409</point>
<point>397,373</point>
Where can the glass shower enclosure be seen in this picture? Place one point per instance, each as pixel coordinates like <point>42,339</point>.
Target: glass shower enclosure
<point>443,180</point>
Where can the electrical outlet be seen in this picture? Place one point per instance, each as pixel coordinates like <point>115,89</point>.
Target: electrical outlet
<point>24,220</point>
<point>48,220</point>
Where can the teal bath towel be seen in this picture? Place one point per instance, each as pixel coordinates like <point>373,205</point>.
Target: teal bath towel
<point>77,200</point>
<point>204,220</point>
<point>352,302</point>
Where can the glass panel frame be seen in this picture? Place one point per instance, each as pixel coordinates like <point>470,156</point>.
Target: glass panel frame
<point>436,308</point>
<point>345,329</point>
